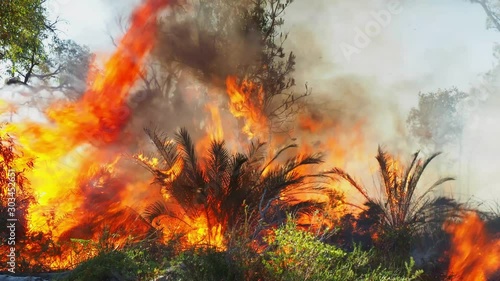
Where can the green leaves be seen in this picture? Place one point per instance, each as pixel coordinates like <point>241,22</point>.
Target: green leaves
<point>295,254</point>
<point>25,36</point>
<point>298,255</point>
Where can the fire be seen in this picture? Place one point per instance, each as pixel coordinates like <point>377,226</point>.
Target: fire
<point>213,126</point>
<point>202,234</point>
<point>247,102</point>
<point>67,145</point>
<point>80,186</point>
<point>217,132</point>
<point>474,255</point>
<point>169,173</point>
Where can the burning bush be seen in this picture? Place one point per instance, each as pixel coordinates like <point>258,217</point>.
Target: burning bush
<point>219,187</point>
<point>394,221</point>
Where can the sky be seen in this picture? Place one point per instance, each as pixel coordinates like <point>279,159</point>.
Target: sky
<point>424,46</point>
<point>430,43</point>
<point>91,22</point>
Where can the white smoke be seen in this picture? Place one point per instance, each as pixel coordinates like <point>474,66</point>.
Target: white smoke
<point>425,46</point>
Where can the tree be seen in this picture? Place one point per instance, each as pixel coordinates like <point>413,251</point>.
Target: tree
<point>401,213</point>
<point>492,10</point>
<point>31,48</point>
<point>215,39</point>
<point>438,119</point>
<point>71,65</point>
<point>25,33</point>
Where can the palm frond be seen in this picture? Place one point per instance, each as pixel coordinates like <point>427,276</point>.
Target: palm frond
<point>430,189</point>
<point>193,172</point>
<point>413,162</point>
<point>155,210</point>
<point>217,167</point>
<point>164,145</point>
<point>235,181</point>
<point>255,154</point>
<point>420,168</point>
<point>344,175</point>
<point>383,159</point>
<point>407,175</point>
<point>276,156</point>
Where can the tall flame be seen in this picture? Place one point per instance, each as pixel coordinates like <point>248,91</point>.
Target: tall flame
<point>69,142</point>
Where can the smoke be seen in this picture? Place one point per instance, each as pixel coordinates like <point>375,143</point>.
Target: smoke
<point>414,50</point>
<point>360,99</point>
<point>480,151</point>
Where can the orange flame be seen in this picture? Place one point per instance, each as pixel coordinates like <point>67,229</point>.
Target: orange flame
<point>201,233</point>
<point>215,128</point>
<point>66,147</point>
<point>247,102</point>
<point>474,255</point>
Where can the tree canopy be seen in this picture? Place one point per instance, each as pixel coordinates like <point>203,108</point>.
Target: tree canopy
<point>24,33</point>
<point>30,46</point>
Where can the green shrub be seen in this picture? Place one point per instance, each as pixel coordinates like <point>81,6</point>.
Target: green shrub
<point>205,264</point>
<point>297,255</point>
<point>106,266</point>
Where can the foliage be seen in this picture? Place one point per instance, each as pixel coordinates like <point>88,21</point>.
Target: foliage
<point>106,266</point>
<point>30,46</point>
<point>401,213</point>
<point>137,260</point>
<point>24,32</point>
<point>150,257</point>
<point>243,247</point>
<point>70,65</point>
<point>438,119</point>
<point>297,255</point>
<point>205,264</point>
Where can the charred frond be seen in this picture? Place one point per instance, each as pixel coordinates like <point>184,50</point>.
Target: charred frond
<point>337,172</point>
